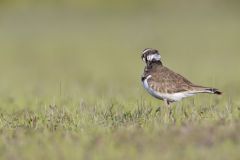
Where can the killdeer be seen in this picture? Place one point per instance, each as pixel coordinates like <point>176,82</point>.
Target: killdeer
<point>166,85</point>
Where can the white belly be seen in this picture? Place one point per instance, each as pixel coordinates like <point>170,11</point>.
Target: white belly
<point>170,97</point>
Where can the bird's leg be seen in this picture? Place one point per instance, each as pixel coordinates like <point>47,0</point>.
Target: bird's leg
<point>167,103</point>
<point>169,109</point>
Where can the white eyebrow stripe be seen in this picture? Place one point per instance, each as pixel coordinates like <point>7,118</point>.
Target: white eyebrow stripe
<point>146,50</point>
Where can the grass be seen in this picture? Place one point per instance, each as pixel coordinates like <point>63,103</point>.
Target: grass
<point>107,131</point>
<point>70,82</point>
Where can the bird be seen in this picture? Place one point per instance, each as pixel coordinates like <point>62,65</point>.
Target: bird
<point>164,84</point>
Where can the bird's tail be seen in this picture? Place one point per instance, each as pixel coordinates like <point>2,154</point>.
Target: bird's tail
<point>201,89</point>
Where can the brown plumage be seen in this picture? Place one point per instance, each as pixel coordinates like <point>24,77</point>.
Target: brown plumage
<point>165,80</point>
<point>161,81</point>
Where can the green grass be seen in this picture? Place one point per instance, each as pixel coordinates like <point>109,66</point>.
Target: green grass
<point>70,81</point>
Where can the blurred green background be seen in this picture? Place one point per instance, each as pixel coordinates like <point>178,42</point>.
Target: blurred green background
<point>64,52</point>
<point>97,44</point>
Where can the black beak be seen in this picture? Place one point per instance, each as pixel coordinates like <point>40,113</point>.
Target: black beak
<point>143,57</point>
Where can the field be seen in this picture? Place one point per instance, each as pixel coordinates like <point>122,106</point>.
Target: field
<point>70,80</point>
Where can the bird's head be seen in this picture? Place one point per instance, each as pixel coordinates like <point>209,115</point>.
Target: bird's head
<point>151,55</point>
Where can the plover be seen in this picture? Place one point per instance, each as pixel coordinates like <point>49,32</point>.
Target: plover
<point>166,85</point>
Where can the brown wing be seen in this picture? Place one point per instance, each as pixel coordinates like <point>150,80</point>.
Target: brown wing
<point>166,81</point>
